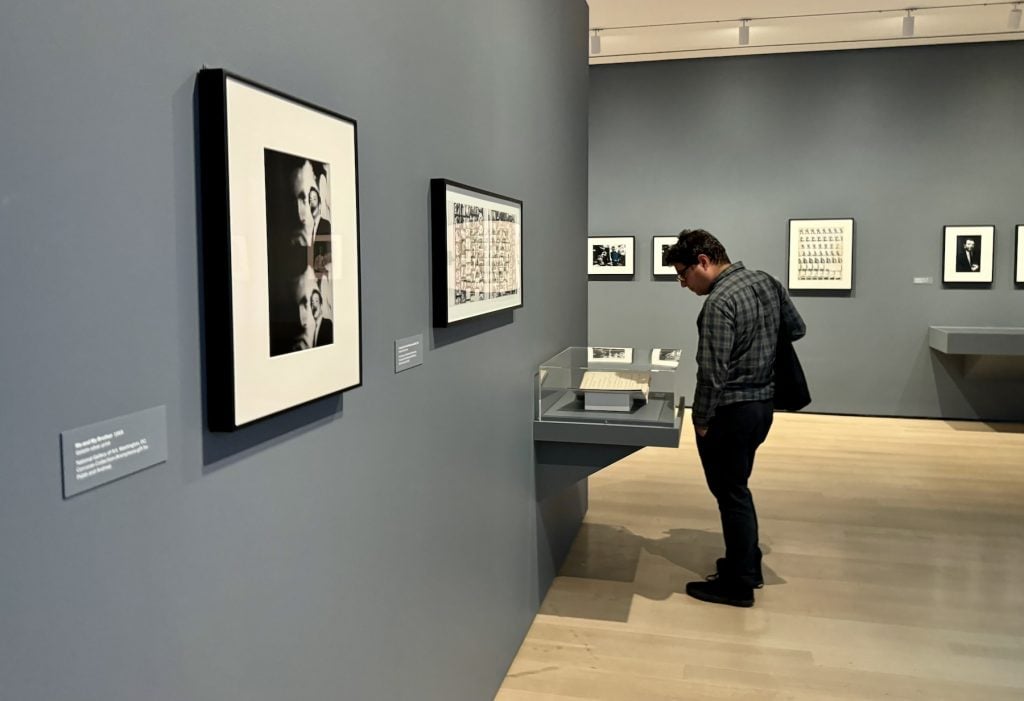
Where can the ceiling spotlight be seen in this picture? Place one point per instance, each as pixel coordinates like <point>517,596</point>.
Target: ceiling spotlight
<point>744,32</point>
<point>1014,21</point>
<point>908,24</point>
<point>595,42</point>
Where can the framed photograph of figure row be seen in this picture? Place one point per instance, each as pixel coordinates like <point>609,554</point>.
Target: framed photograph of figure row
<point>1019,267</point>
<point>610,255</point>
<point>659,248</point>
<point>821,254</point>
<point>280,239</point>
<point>967,253</point>
<point>477,252</point>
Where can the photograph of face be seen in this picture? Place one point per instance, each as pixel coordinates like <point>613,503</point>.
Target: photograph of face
<point>298,252</point>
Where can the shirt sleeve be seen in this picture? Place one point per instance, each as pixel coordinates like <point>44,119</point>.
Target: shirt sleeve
<point>716,333</point>
<point>789,317</point>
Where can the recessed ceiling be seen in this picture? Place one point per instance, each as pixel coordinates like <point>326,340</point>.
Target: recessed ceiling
<point>658,30</point>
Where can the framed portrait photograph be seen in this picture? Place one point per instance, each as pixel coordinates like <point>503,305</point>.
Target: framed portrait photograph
<point>659,247</point>
<point>821,254</point>
<point>967,253</point>
<point>609,354</point>
<point>610,255</point>
<point>666,357</point>
<point>477,251</point>
<point>280,241</point>
<point>1019,267</point>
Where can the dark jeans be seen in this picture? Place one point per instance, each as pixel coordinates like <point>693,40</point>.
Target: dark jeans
<point>727,454</point>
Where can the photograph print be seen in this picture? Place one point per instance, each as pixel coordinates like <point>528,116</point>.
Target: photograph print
<point>477,252</point>
<point>967,253</point>
<point>610,255</point>
<point>659,249</point>
<point>280,230</point>
<point>666,357</point>
<point>609,354</point>
<point>821,254</point>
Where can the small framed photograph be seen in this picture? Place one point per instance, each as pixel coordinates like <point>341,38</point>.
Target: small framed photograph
<point>967,253</point>
<point>659,247</point>
<point>666,357</point>
<point>280,237</point>
<point>477,252</point>
<point>610,255</point>
<point>607,354</point>
<point>821,254</point>
<point>1019,277</point>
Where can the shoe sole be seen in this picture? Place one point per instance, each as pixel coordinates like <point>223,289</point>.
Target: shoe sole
<point>712,599</point>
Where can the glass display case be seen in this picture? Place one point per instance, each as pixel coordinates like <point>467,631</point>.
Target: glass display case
<point>609,385</point>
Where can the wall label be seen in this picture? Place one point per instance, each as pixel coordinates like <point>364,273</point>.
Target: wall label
<point>408,352</point>
<point>103,452</point>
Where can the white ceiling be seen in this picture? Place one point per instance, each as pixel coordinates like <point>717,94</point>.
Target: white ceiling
<point>698,28</point>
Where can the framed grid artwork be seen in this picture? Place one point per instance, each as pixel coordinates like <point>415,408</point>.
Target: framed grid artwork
<point>477,252</point>
<point>821,254</point>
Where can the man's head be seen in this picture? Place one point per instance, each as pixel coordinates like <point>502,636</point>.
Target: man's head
<point>699,258</point>
<point>303,182</point>
<point>314,202</point>
<point>316,303</point>
<point>969,245</point>
<point>304,290</point>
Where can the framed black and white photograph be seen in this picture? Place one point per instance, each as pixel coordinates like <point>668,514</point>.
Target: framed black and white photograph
<point>967,253</point>
<point>280,231</point>
<point>659,249</point>
<point>666,357</point>
<point>477,252</point>
<point>610,255</point>
<point>1019,267</point>
<point>609,354</point>
<point>821,254</point>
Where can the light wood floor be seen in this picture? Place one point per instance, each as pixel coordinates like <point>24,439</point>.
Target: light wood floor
<point>894,567</point>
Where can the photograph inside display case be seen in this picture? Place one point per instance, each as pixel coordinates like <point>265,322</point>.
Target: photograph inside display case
<point>608,354</point>
<point>666,357</point>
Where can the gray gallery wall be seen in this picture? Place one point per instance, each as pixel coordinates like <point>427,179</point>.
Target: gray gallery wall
<point>903,140</point>
<point>377,546</point>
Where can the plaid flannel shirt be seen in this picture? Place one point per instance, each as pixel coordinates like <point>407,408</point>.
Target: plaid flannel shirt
<point>738,328</point>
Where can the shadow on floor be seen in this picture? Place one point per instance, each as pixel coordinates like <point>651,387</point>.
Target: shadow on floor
<point>612,555</point>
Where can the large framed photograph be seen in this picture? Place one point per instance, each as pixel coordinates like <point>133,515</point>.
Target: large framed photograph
<point>967,253</point>
<point>821,254</point>
<point>1019,268</point>
<point>280,233</point>
<point>659,249</point>
<point>477,251</point>
<point>610,255</point>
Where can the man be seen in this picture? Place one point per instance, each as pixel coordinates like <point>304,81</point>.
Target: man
<point>967,258</point>
<point>321,225</point>
<point>738,329</point>
<point>323,329</point>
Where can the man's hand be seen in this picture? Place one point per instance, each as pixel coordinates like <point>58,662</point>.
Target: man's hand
<point>701,430</point>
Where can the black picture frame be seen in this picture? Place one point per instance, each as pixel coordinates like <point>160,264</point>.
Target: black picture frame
<point>1018,274</point>
<point>279,227</point>
<point>956,268</point>
<point>658,248</point>
<point>476,250</point>
<point>611,256</point>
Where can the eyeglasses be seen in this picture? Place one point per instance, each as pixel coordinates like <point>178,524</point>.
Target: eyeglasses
<point>681,277</point>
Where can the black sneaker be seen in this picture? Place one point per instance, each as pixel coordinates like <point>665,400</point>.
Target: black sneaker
<point>720,591</point>
<point>720,568</point>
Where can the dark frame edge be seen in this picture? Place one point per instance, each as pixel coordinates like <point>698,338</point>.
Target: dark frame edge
<point>216,247</point>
